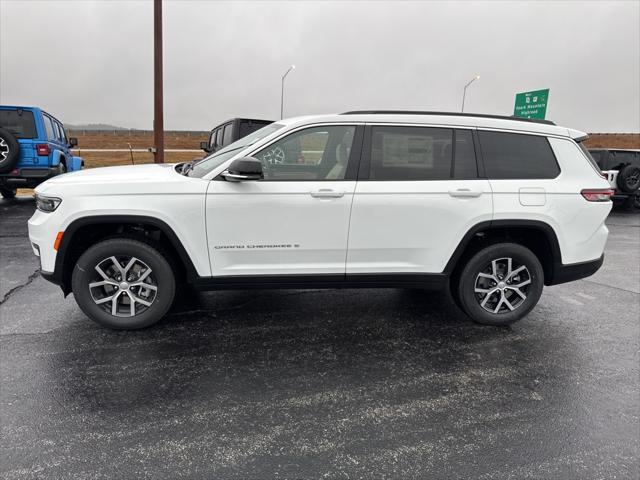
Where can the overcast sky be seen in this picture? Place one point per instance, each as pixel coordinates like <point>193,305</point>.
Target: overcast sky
<point>92,61</point>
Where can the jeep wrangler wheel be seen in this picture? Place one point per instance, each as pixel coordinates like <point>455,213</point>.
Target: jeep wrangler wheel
<point>123,284</point>
<point>501,284</point>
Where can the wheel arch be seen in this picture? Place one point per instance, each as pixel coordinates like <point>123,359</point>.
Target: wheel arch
<point>538,236</point>
<point>86,231</point>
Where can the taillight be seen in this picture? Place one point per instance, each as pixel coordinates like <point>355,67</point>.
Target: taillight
<point>42,149</point>
<point>598,194</point>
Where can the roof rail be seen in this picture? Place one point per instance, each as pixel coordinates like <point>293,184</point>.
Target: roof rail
<point>450,114</point>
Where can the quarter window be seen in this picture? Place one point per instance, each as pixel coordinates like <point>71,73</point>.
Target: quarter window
<point>318,153</point>
<point>517,156</point>
<point>410,153</point>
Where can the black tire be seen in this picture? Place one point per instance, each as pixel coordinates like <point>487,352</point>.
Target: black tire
<point>629,179</point>
<point>161,276</point>
<point>9,151</point>
<point>7,192</point>
<point>480,265</point>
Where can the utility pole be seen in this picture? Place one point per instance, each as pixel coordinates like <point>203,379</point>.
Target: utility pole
<point>158,114</point>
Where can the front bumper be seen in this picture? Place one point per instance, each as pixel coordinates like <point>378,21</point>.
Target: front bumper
<point>43,229</point>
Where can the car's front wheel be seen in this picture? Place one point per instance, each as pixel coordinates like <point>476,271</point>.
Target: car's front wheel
<point>500,284</point>
<point>123,284</point>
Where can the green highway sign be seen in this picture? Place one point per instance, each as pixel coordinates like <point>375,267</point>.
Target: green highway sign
<point>531,104</point>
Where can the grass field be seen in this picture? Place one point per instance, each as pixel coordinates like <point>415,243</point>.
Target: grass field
<point>122,139</point>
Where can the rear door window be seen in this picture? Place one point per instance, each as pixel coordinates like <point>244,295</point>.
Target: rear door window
<point>517,156</point>
<point>410,153</point>
<point>20,123</point>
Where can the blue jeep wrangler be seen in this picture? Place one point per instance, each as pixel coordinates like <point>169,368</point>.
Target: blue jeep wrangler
<point>33,147</point>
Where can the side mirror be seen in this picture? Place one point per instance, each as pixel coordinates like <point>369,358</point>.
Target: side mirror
<point>204,146</point>
<point>73,142</point>
<point>242,169</point>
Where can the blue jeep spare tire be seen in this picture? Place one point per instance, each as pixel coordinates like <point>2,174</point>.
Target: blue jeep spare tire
<point>9,151</point>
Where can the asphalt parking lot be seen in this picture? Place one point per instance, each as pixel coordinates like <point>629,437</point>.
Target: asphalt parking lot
<point>322,384</point>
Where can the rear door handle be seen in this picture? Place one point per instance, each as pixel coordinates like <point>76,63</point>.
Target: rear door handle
<point>326,193</point>
<point>465,193</point>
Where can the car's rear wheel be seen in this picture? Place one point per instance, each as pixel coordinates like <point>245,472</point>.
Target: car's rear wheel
<point>500,284</point>
<point>123,284</point>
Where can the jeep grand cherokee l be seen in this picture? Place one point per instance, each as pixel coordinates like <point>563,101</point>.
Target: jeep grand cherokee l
<point>493,208</point>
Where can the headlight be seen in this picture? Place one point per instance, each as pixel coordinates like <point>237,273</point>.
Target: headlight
<point>47,204</point>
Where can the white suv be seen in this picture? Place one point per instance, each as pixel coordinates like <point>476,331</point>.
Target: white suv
<point>491,207</point>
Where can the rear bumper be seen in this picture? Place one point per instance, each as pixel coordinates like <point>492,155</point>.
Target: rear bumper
<point>574,271</point>
<point>28,177</point>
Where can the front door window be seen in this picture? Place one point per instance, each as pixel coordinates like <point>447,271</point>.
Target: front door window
<point>317,153</point>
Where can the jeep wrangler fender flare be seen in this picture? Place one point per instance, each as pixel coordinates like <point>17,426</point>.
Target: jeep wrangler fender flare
<point>59,275</point>
<point>56,158</point>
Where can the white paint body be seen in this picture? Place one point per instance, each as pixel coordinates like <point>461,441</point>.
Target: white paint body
<point>285,227</point>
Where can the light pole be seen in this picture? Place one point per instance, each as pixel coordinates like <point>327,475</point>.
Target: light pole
<point>292,67</point>
<point>464,92</point>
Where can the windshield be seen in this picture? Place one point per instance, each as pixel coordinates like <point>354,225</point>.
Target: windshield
<point>207,164</point>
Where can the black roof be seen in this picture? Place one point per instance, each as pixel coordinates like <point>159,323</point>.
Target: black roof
<point>450,114</point>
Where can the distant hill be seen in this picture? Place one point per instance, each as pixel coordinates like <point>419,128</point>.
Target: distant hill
<point>93,126</point>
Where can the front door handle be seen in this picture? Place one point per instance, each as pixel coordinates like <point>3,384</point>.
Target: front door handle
<point>465,193</point>
<point>326,193</point>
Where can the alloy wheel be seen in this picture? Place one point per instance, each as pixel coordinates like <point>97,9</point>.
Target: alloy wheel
<point>502,286</point>
<point>123,286</point>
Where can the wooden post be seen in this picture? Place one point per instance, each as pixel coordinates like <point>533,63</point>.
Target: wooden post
<point>158,114</point>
